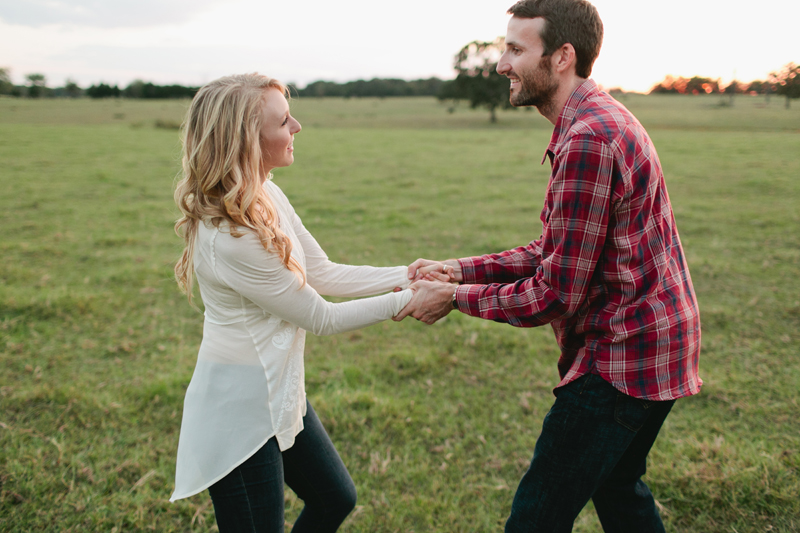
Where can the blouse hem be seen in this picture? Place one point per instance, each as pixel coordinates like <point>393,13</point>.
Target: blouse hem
<point>247,456</point>
<point>300,427</point>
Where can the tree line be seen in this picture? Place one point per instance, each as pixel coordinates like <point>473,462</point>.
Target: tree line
<point>374,87</point>
<point>36,87</point>
<point>477,82</point>
<point>784,82</point>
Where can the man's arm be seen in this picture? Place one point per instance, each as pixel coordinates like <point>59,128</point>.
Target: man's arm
<point>576,221</point>
<point>503,267</point>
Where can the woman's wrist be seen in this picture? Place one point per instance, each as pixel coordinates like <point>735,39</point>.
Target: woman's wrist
<point>454,270</point>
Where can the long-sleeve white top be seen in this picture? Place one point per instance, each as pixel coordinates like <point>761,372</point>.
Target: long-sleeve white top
<point>248,385</point>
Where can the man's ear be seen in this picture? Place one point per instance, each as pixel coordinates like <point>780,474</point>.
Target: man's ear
<point>564,58</point>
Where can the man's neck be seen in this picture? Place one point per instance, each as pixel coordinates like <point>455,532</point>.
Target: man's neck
<point>553,110</point>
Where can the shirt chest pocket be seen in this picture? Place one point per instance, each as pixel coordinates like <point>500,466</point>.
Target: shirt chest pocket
<point>545,216</point>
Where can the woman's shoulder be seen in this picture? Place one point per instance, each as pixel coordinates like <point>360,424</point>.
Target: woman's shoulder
<point>241,249</point>
<point>225,239</point>
<point>278,197</point>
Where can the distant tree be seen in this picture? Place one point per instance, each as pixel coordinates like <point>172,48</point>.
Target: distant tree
<point>477,79</point>
<point>71,89</point>
<point>103,90</point>
<point>6,85</point>
<point>37,85</point>
<point>733,88</point>
<point>760,87</point>
<point>153,91</point>
<point>701,85</point>
<point>787,82</point>
<point>374,87</point>
<point>321,88</point>
<point>425,87</point>
<point>681,85</point>
<point>135,89</point>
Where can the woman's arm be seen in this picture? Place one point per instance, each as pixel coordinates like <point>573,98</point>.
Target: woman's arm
<point>334,279</point>
<point>244,265</point>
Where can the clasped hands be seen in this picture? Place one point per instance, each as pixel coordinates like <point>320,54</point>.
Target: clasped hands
<point>433,285</point>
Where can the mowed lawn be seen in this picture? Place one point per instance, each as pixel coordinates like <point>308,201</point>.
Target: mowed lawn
<point>436,424</point>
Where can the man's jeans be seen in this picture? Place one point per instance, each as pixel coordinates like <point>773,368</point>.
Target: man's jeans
<point>594,444</point>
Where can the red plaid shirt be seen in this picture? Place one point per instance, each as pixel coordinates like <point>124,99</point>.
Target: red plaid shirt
<point>608,272</point>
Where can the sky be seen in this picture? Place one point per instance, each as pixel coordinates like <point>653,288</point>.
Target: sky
<point>190,42</point>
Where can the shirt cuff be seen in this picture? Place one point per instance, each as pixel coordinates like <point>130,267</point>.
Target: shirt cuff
<point>472,270</point>
<point>466,299</point>
<point>402,277</point>
<point>401,300</point>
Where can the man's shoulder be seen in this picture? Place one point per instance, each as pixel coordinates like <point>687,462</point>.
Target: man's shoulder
<point>603,119</point>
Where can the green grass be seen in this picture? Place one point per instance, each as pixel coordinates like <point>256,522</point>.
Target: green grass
<point>436,424</point>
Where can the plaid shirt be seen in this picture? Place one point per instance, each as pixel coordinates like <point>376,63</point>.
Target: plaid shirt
<point>608,272</point>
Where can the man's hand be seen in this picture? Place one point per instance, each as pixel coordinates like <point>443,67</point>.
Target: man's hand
<point>431,301</point>
<point>449,270</point>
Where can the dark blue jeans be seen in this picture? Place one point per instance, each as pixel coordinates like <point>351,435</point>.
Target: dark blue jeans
<point>594,445</point>
<point>250,498</point>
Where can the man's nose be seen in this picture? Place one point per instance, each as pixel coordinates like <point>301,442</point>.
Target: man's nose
<point>503,67</point>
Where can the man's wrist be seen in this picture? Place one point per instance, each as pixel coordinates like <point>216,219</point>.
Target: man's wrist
<point>453,302</point>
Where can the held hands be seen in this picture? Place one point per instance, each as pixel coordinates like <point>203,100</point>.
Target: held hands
<point>433,286</point>
<point>431,301</point>
<point>448,271</point>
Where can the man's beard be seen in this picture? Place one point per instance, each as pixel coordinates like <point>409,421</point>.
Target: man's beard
<point>537,89</point>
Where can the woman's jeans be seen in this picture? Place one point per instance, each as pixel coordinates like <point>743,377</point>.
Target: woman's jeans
<point>250,498</point>
<point>594,445</point>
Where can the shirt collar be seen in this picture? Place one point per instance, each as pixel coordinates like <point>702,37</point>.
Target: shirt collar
<point>567,115</point>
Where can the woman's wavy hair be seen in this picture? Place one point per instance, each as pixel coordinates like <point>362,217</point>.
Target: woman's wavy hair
<point>223,174</point>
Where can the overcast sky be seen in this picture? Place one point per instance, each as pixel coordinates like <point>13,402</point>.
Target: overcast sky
<point>194,41</point>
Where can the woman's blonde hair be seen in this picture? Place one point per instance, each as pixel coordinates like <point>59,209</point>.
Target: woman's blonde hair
<point>223,172</point>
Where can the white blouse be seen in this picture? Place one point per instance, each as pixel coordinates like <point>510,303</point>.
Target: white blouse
<point>248,385</point>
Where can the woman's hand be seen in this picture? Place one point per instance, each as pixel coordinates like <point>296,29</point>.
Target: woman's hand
<point>436,272</point>
<point>448,271</point>
<point>431,301</point>
<point>410,287</point>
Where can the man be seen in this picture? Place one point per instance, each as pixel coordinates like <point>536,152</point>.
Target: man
<point>608,273</point>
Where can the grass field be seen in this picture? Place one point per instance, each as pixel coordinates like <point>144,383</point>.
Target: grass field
<point>436,424</point>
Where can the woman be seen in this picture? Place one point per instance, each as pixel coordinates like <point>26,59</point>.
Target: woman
<point>247,426</point>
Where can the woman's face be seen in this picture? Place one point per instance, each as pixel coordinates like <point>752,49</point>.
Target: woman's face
<point>277,131</point>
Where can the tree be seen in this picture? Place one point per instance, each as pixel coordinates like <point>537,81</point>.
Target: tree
<point>6,85</point>
<point>693,85</point>
<point>477,79</point>
<point>733,88</point>
<point>71,89</point>
<point>37,84</point>
<point>134,90</point>
<point>375,87</point>
<point>760,87</point>
<point>787,82</point>
<point>103,90</point>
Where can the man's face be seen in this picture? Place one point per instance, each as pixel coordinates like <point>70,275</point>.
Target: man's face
<point>532,79</point>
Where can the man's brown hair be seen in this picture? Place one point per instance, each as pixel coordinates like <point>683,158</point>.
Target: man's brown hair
<point>566,21</point>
